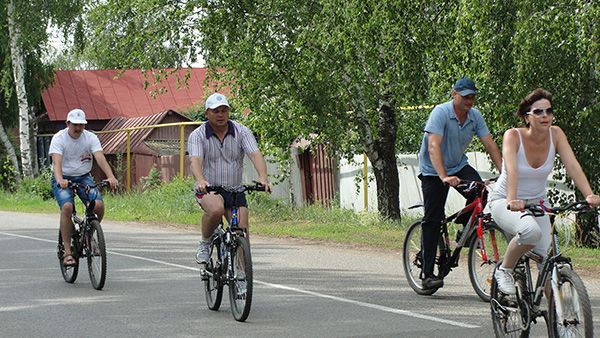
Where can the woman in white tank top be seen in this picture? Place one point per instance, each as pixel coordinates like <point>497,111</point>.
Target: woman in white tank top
<point>528,156</point>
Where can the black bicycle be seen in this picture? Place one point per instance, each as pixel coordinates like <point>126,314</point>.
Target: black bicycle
<point>485,240</point>
<point>569,311</point>
<point>87,241</point>
<point>230,261</point>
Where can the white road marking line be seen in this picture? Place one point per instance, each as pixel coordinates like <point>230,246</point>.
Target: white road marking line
<point>369,305</point>
<point>288,288</point>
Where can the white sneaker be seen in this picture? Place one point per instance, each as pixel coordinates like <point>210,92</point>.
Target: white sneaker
<point>203,252</point>
<point>505,281</point>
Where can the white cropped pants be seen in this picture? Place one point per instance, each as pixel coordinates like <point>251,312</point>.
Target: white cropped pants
<point>527,228</point>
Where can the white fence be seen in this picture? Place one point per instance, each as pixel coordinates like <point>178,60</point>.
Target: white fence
<point>352,191</point>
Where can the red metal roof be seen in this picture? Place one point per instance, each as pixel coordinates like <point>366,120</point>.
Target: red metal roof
<point>114,143</point>
<point>103,94</point>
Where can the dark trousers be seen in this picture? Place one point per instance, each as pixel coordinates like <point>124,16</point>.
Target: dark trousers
<point>435,193</point>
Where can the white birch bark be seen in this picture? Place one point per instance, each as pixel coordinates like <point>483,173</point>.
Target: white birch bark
<point>11,151</point>
<point>18,63</point>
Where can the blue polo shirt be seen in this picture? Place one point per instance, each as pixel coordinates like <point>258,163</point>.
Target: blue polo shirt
<point>456,137</point>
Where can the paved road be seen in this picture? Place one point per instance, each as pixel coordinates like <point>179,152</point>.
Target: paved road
<point>153,289</point>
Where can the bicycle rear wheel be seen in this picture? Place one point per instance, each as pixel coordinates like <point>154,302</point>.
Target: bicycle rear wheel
<point>213,285</point>
<point>412,259</point>
<point>96,255</point>
<point>573,303</point>
<point>69,273</point>
<point>481,272</point>
<point>510,314</point>
<point>240,287</point>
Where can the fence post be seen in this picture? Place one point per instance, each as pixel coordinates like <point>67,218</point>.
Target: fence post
<point>181,150</point>
<point>128,183</point>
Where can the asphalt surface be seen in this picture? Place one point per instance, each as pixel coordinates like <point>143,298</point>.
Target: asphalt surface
<point>153,289</point>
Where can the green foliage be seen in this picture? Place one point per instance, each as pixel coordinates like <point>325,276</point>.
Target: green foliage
<point>152,181</point>
<point>338,72</point>
<point>39,186</point>
<point>7,174</point>
<point>171,202</point>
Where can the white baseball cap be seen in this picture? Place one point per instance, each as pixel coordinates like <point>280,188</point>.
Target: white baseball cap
<point>76,116</point>
<point>216,100</point>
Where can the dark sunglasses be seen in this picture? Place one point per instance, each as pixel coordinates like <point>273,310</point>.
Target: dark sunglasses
<point>540,111</point>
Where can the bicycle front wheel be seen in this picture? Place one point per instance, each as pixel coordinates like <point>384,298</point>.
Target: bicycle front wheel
<point>96,255</point>
<point>481,271</point>
<point>412,259</point>
<point>570,311</point>
<point>240,287</point>
<point>69,273</point>
<point>213,284</point>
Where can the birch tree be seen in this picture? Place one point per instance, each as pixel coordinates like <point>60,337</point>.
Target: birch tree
<point>26,25</point>
<point>18,66</point>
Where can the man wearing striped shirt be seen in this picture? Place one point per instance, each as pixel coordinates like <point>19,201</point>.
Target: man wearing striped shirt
<point>216,150</point>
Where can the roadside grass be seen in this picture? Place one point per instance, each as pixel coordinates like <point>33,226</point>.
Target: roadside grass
<point>173,204</point>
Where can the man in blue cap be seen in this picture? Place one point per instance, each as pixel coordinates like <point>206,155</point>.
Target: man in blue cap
<point>443,163</point>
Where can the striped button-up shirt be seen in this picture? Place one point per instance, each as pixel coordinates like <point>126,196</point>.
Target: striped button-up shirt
<point>222,162</point>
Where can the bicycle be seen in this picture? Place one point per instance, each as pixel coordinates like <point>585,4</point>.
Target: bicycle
<point>479,234</point>
<point>569,311</point>
<point>87,240</point>
<point>230,261</point>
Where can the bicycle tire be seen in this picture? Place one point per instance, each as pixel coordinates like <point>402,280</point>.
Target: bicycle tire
<point>96,255</point>
<point>240,287</point>
<point>411,259</point>
<point>69,273</point>
<point>576,308</point>
<point>481,273</point>
<point>507,311</point>
<point>213,285</point>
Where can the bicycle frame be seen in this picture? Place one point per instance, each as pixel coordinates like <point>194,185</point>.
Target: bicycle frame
<point>90,215</point>
<point>475,224</point>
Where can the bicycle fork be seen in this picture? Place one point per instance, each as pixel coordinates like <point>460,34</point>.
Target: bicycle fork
<point>559,296</point>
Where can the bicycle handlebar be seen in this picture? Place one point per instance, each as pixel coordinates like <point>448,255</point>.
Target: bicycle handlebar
<point>246,187</point>
<point>540,209</point>
<point>73,185</point>
<point>472,185</point>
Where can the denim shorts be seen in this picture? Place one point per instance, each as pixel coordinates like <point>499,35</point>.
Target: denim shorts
<point>66,195</point>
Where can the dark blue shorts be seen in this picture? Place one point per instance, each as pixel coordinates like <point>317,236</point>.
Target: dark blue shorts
<point>228,198</point>
<point>66,195</point>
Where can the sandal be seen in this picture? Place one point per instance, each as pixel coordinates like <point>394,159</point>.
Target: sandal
<point>69,260</point>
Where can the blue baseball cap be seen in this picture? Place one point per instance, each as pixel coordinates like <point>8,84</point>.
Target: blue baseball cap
<point>465,86</point>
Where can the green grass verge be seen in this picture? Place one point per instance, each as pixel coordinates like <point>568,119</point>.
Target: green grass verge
<point>174,204</point>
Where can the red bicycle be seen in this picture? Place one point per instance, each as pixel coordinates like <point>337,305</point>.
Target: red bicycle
<point>480,234</point>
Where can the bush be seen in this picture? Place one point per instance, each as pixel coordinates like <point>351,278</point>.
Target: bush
<point>152,181</point>
<point>40,186</point>
<point>7,175</point>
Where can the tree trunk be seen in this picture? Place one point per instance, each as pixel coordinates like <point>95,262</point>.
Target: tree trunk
<point>382,154</point>
<point>11,151</point>
<point>33,128</point>
<point>18,63</point>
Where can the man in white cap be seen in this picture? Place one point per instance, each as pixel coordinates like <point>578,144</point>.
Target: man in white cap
<point>72,150</point>
<point>216,149</point>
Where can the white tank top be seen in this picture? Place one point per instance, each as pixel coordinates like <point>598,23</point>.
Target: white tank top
<point>531,181</point>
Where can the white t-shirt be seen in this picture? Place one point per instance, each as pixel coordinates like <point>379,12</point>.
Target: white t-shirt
<point>77,154</point>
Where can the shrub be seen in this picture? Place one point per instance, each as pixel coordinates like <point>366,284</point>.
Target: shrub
<point>152,181</point>
<point>39,185</point>
<point>7,175</point>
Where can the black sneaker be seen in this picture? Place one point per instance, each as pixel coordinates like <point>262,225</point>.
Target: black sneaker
<point>432,283</point>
